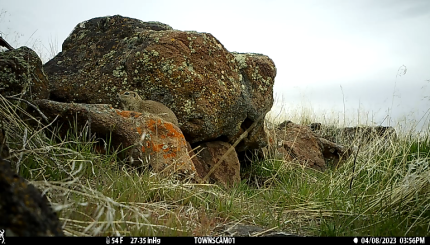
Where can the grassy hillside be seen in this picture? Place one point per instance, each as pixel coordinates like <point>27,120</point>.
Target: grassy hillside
<point>383,191</point>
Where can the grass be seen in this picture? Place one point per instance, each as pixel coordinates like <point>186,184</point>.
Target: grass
<point>97,194</point>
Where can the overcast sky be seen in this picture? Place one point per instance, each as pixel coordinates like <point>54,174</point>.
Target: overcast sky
<point>318,46</point>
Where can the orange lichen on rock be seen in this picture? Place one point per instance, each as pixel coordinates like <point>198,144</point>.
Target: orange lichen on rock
<point>167,144</point>
<point>170,155</point>
<point>128,114</point>
<point>171,131</point>
<point>155,125</point>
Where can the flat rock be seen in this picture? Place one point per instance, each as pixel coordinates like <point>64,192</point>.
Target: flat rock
<point>147,137</point>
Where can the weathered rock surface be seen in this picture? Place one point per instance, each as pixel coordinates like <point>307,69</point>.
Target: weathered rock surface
<point>297,142</point>
<point>23,209</point>
<point>257,73</point>
<point>334,153</point>
<point>21,72</point>
<point>150,138</point>
<point>228,172</point>
<point>215,94</point>
<point>293,142</point>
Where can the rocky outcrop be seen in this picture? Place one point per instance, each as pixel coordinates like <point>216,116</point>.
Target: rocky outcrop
<point>23,209</point>
<point>147,137</point>
<point>215,94</point>
<point>21,72</point>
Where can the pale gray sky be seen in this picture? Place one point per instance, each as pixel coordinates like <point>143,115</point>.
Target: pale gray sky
<point>317,45</point>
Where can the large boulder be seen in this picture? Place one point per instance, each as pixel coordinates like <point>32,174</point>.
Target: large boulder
<point>24,210</point>
<point>21,72</point>
<point>215,94</point>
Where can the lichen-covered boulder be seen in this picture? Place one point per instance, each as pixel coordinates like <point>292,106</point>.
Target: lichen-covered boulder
<point>24,210</point>
<point>215,94</point>
<point>148,138</point>
<point>21,71</point>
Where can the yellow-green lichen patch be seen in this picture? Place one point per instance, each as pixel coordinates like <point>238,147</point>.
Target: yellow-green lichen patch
<point>241,60</point>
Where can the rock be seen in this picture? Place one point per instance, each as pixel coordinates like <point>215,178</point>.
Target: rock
<point>298,143</point>
<point>357,135</point>
<point>367,134</point>
<point>215,94</point>
<point>295,142</point>
<point>21,71</point>
<point>285,124</point>
<point>23,209</point>
<point>354,135</point>
<point>258,73</point>
<point>228,172</point>
<point>200,166</point>
<point>147,137</point>
<point>333,152</point>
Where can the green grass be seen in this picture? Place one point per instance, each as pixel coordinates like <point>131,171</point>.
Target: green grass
<point>97,194</point>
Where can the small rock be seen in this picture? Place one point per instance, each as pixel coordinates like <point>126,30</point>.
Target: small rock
<point>228,172</point>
